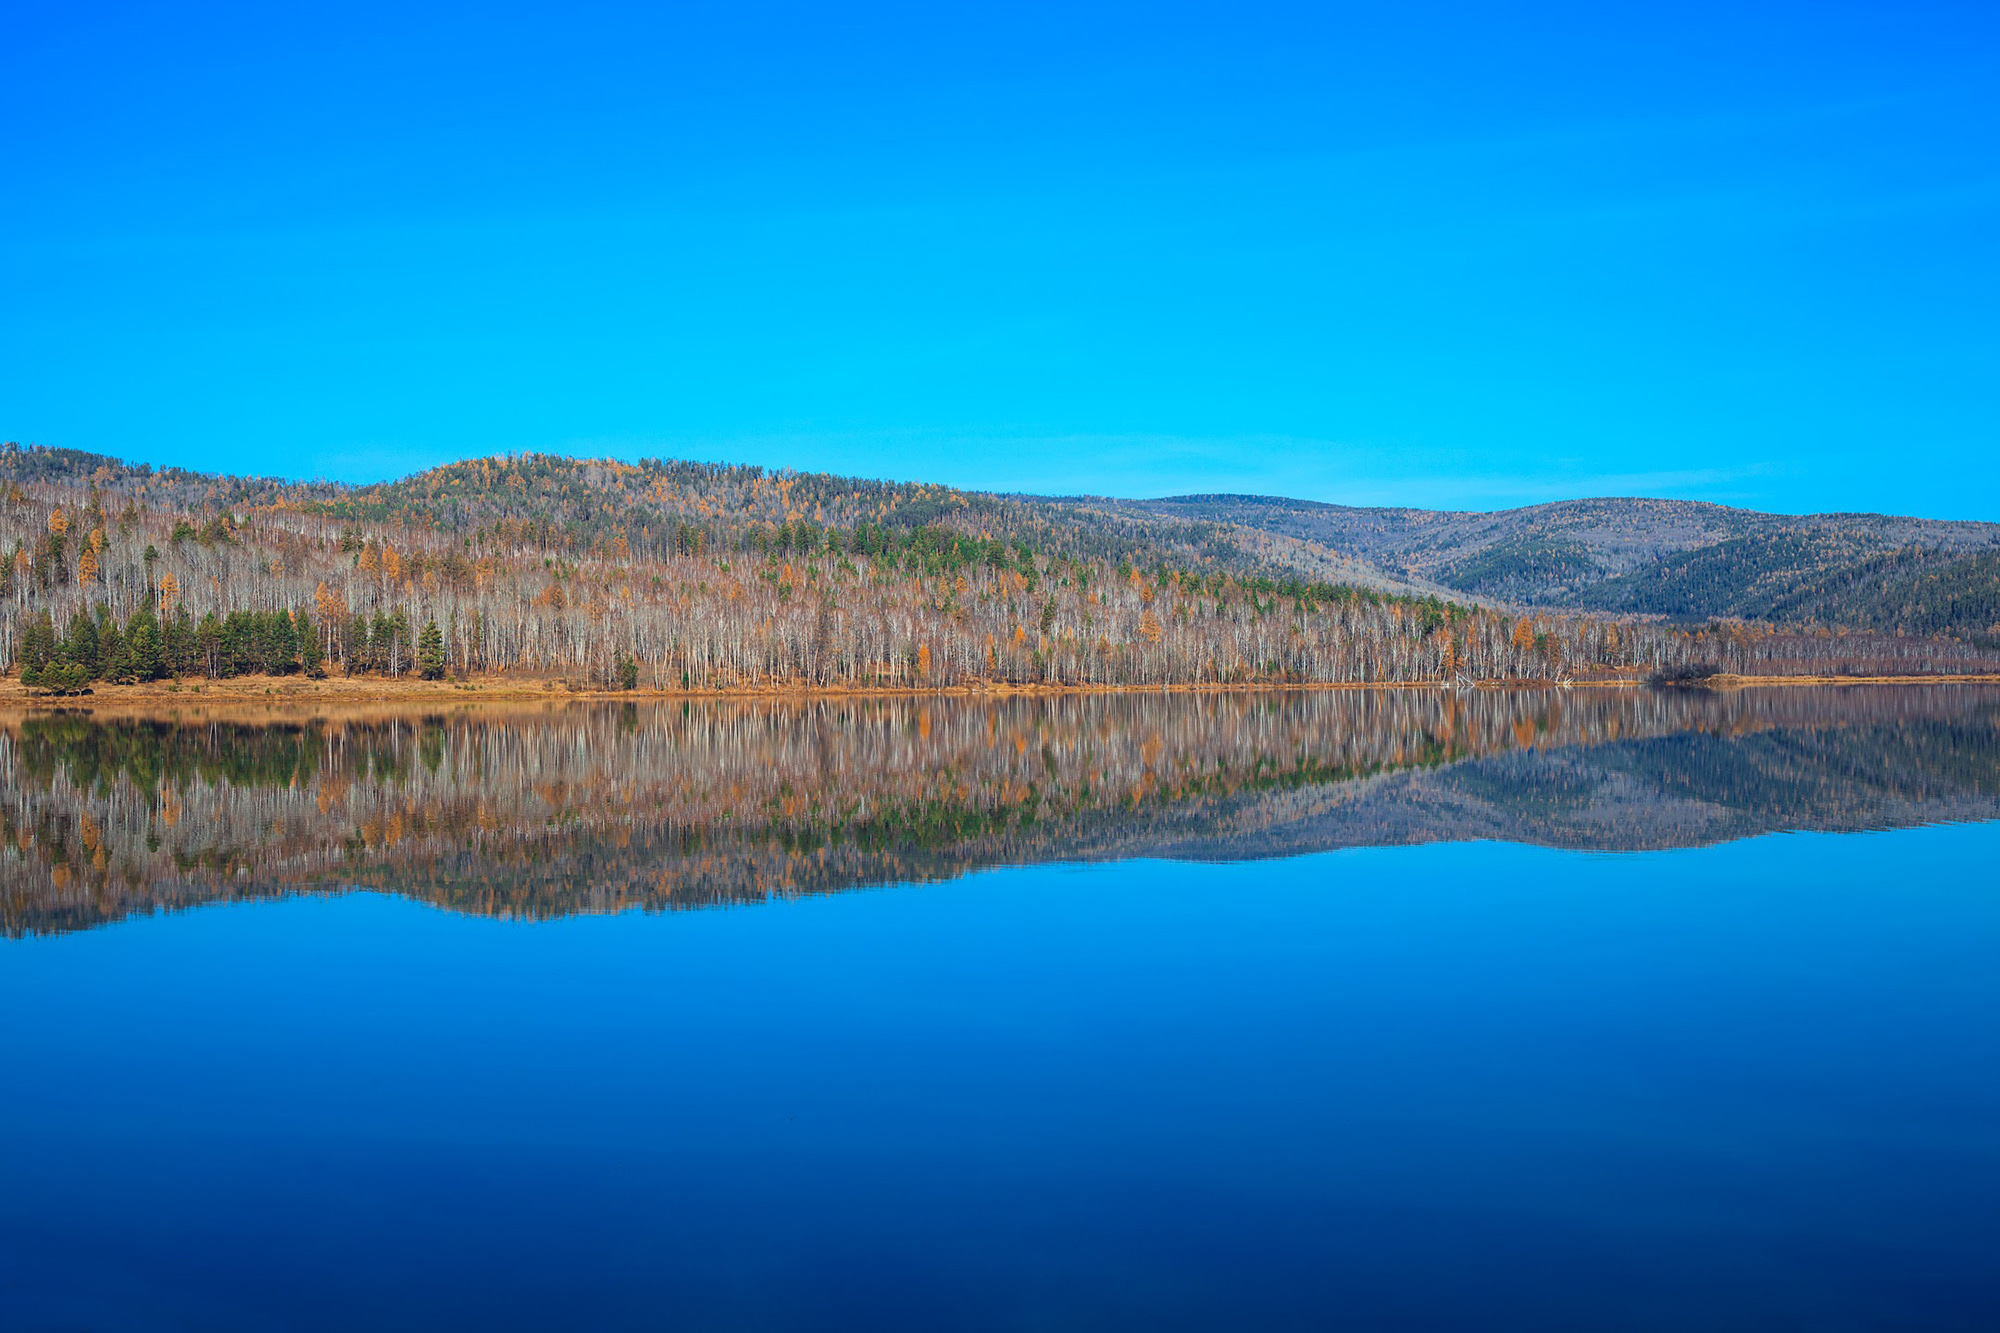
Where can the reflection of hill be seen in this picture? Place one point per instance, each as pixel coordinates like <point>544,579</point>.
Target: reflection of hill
<point>1685,790</point>
<point>595,808</point>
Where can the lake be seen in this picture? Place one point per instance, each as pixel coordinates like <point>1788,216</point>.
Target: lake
<point>1585,1009</point>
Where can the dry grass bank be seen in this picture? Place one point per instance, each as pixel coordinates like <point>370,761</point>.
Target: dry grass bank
<point>347,693</point>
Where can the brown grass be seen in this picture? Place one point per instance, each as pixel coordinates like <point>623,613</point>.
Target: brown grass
<point>346,692</point>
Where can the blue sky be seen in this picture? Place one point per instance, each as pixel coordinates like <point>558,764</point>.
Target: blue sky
<point>1456,255</point>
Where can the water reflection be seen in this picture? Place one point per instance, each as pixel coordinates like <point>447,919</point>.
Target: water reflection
<point>589,808</point>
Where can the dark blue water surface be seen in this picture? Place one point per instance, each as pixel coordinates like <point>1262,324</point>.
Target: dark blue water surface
<point>1370,1010</point>
<point>1750,1086</point>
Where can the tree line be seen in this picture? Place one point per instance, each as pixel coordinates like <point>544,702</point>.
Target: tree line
<point>103,583</point>
<point>148,647</point>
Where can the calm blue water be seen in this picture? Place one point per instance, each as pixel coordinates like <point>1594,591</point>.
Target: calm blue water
<point>1748,1086</point>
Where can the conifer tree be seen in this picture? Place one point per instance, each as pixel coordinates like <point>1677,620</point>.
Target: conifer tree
<point>38,642</point>
<point>358,656</point>
<point>311,656</point>
<point>112,663</point>
<point>79,646</point>
<point>430,652</point>
<point>144,651</point>
<point>208,645</point>
<point>182,654</point>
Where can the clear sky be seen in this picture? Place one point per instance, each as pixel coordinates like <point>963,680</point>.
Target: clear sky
<point>1463,255</point>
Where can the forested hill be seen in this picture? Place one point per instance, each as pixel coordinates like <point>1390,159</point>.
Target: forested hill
<point>1681,559</point>
<point>680,576</point>
<point>709,576</point>
<point>1677,558</point>
<point>664,507</point>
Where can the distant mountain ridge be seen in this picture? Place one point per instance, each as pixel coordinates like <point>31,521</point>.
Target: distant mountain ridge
<point>1681,558</point>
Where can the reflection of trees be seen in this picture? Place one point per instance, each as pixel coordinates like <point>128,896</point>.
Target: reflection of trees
<point>1680,789</point>
<point>595,808</point>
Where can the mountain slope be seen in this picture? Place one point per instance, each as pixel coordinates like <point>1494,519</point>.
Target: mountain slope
<point>658,506</point>
<point>1678,558</point>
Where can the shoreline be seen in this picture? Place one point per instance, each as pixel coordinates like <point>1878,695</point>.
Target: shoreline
<point>292,691</point>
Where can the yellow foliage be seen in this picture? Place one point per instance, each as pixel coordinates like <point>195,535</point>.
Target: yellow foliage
<point>332,608</point>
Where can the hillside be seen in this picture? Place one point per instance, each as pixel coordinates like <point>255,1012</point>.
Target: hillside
<point>689,576</point>
<point>1678,558</point>
<point>663,507</point>
<point>696,576</point>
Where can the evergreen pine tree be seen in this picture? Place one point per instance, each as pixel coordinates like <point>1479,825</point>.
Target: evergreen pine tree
<point>208,646</point>
<point>358,656</point>
<point>79,646</point>
<point>183,658</point>
<point>311,656</point>
<point>38,642</point>
<point>144,651</point>
<point>430,652</point>
<point>379,637</point>
<point>283,636</point>
<point>112,661</point>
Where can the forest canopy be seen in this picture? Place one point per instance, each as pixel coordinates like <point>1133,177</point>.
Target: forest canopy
<point>691,576</point>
